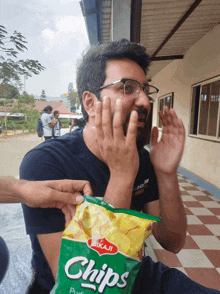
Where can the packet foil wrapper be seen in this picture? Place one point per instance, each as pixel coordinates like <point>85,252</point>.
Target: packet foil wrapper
<point>101,249</point>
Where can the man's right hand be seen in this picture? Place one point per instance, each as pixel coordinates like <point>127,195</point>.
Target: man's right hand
<point>118,151</point>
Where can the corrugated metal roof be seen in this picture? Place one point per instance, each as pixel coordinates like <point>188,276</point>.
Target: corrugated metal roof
<point>159,17</point>
<point>106,20</point>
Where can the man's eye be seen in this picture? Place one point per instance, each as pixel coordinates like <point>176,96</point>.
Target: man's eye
<point>129,89</point>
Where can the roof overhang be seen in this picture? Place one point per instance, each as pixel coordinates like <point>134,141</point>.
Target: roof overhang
<point>92,12</point>
<point>167,28</point>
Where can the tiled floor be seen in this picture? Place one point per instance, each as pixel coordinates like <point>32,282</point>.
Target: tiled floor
<point>200,257</point>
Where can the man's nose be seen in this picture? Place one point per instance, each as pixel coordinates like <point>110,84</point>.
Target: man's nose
<point>143,100</point>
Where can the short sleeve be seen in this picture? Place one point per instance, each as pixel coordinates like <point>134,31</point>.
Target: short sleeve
<point>38,165</point>
<point>49,119</point>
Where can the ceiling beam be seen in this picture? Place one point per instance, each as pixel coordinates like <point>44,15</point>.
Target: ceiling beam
<point>171,57</point>
<point>182,20</point>
<point>136,7</point>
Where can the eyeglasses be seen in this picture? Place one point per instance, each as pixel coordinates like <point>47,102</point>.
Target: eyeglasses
<point>132,88</point>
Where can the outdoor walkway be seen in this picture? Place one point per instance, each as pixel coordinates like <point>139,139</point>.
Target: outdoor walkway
<point>200,257</point>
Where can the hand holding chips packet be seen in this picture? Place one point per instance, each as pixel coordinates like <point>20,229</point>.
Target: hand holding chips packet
<point>100,249</point>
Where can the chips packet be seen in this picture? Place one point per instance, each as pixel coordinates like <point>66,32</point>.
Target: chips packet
<point>101,249</point>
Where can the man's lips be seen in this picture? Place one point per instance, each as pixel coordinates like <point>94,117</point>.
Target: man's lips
<point>141,124</point>
<point>141,121</point>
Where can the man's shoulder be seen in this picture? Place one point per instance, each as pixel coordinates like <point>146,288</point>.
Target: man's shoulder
<point>144,154</point>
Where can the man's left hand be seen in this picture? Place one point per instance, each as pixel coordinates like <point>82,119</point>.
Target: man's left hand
<point>166,154</point>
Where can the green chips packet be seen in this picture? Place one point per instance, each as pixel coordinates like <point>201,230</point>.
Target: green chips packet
<point>101,249</point>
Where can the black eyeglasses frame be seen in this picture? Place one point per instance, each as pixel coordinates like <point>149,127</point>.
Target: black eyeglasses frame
<point>123,80</point>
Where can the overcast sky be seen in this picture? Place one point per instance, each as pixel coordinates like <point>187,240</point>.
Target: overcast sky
<point>56,35</point>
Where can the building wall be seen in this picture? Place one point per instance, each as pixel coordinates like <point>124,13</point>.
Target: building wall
<point>201,62</point>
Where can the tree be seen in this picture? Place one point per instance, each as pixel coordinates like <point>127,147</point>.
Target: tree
<point>8,91</point>
<point>43,96</point>
<point>6,102</point>
<point>10,69</point>
<point>73,97</point>
<point>25,104</point>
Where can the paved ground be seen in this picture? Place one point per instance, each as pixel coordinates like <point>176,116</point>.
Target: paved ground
<point>200,257</point>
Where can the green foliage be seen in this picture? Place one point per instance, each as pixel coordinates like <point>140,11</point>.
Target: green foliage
<point>64,121</point>
<point>11,70</point>
<point>73,97</point>
<point>8,91</point>
<point>43,95</point>
<point>25,104</point>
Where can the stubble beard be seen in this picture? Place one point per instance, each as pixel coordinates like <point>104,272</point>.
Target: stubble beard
<point>142,132</point>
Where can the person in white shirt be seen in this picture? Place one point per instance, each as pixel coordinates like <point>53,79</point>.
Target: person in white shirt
<point>57,124</point>
<point>46,119</point>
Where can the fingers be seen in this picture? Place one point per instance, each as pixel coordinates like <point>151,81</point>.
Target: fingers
<point>69,212</point>
<point>171,123</point>
<point>118,132</point>
<point>107,118</point>
<point>132,129</point>
<point>68,191</point>
<point>154,136</point>
<point>98,121</point>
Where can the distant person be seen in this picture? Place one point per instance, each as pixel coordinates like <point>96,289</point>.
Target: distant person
<point>46,119</point>
<point>0,129</point>
<point>57,124</point>
<point>77,123</point>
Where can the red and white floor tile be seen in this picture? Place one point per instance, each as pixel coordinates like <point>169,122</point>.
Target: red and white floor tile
<point>200,257</point>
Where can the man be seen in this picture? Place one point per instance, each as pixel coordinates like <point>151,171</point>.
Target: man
<point>109,154</point>
<point>46,119</point>
<point>57,124</point>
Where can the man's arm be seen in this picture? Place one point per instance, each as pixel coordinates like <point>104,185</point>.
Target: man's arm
<point>165,155</point>
<point>62,194</point>
<point>53,123</point>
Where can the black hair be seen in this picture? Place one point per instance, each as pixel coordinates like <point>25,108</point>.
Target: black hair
<point>48,108</point>
<point>79,122</point>
<point>91,69</point>
<point>55,112</point>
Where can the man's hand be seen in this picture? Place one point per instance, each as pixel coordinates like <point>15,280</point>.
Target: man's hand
<point>118,151</point>
<point>166,154</point>
<point>62,194</point>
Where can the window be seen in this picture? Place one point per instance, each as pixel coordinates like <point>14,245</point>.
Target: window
<point>204,120</point>
<point>166,100</point>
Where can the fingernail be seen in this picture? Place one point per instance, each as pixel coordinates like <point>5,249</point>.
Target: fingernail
<point>79,199</point>
<point>118,101</point>
<point>104,98</point>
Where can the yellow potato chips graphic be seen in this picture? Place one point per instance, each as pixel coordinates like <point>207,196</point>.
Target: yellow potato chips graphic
<point>120,240</point>
<point>127,231</point>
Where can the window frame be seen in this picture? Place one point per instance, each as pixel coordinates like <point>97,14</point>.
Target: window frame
<point>200,136</point>
<point>158,105</point>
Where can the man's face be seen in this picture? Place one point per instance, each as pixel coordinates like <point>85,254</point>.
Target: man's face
<point>57,115</point>
<point>128,69</point>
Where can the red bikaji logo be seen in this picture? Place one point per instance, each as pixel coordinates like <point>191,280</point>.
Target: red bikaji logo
<point>102,246</point>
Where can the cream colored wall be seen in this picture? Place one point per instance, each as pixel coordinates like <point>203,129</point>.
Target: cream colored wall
<point>201,61</point>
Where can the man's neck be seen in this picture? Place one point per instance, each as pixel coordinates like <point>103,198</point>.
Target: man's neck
<point>90,141</point>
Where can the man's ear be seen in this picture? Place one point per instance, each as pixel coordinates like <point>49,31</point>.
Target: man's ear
<point>89,100</point>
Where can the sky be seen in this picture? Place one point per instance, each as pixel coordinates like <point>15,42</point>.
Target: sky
<point>56,34</point>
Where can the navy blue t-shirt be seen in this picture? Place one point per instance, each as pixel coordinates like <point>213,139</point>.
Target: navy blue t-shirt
<point>68,157</point>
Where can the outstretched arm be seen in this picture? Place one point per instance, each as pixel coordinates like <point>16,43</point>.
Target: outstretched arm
<point>62,194</point>
<point>165,156</point>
